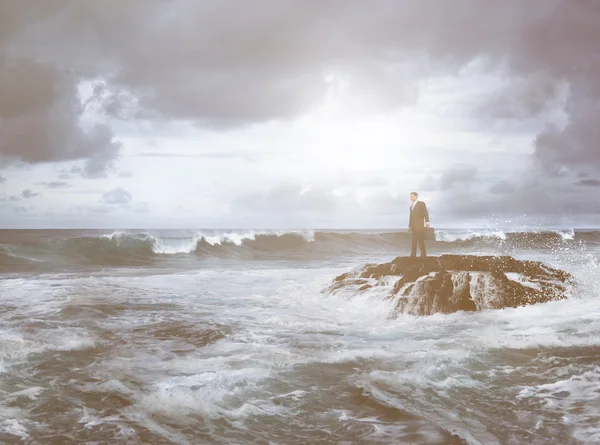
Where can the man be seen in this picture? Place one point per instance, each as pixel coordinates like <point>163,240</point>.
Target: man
<point>419,218</point>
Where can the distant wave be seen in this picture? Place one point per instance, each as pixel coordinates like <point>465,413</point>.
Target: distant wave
<point>129,248</point>
<point>123,248</point>
<point>532,239</point>
<point>592,237</point>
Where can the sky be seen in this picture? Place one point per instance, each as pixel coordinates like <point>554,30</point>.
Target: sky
<point>299,114</point>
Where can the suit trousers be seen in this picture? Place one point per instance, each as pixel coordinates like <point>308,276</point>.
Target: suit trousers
<point>418,237</point>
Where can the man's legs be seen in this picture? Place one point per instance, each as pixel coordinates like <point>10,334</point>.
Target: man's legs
<point>413,252</point>
<point>422,243</point>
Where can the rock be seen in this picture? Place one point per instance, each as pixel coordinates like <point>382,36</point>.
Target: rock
<point>450,283</point>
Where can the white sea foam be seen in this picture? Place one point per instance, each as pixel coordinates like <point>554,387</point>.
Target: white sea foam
<point>12,422</point>
<point>13,347</point>
<point>521,279</point>
<point>501,235</point>
<point>442,235</point>
<point>32,393</point>
<point>233,237</point>
<point>207,394</point>
<point>576,399</point>
<point>566,234</point>
<point>14,427</point>
<point>238,238</point>
<point>173,246</point>
<point>112,386</point>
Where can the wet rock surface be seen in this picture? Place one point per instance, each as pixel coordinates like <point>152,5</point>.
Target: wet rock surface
<point>451,283</point>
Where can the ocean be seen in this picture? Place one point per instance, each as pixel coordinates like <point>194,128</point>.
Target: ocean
<point>229,337</point>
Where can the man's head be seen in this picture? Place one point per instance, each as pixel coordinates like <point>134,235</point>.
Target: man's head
<point>414,196</point>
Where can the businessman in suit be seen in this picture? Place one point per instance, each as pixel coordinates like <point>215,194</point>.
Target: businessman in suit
<point>419,218</point>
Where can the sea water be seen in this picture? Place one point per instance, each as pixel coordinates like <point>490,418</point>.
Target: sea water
<point>229,337</point>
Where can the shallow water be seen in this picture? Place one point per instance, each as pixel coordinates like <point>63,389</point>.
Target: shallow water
<point>247,348</point>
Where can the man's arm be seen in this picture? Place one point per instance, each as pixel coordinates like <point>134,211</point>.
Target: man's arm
<point>409,219</point>
<point>426,213</point>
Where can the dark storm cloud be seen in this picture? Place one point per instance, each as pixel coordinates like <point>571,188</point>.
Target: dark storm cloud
<point>39,115</point>
<point>117,196</point>
<point>521,97</point>
<point>226,63</point>
<point>40,109</point>
<point>223,62</point>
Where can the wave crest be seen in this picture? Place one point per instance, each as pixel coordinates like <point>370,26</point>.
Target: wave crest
<point>112,249</point>
<point>122,248</point>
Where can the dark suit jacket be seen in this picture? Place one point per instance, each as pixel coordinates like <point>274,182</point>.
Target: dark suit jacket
<point>418,216</point>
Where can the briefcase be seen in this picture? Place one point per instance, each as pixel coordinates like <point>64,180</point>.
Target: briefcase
<point>429,233</point>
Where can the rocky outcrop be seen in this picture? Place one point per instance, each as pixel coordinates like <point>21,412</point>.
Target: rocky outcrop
<point>450,283</point>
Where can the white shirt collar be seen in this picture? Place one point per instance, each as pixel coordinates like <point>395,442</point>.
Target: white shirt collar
<point>414,204</point>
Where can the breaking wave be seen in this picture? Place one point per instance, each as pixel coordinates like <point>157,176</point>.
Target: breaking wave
<point>143,248</point>
<point>122,248</point>
<point>522,240</point>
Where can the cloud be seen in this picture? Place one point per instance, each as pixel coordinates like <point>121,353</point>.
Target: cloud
<point>458,175</point>
<point>28,194</point>
<point>117,196</point>
<point>56,184</point>
<point>40,111</point>
<point>502,187</point>
<point>537,198</point>
<point>519,98</point>
<point>249,76</point>
<point>589,183</point>
<point>467,193</point>
<point>2,179</point>
<point>39,118</point>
